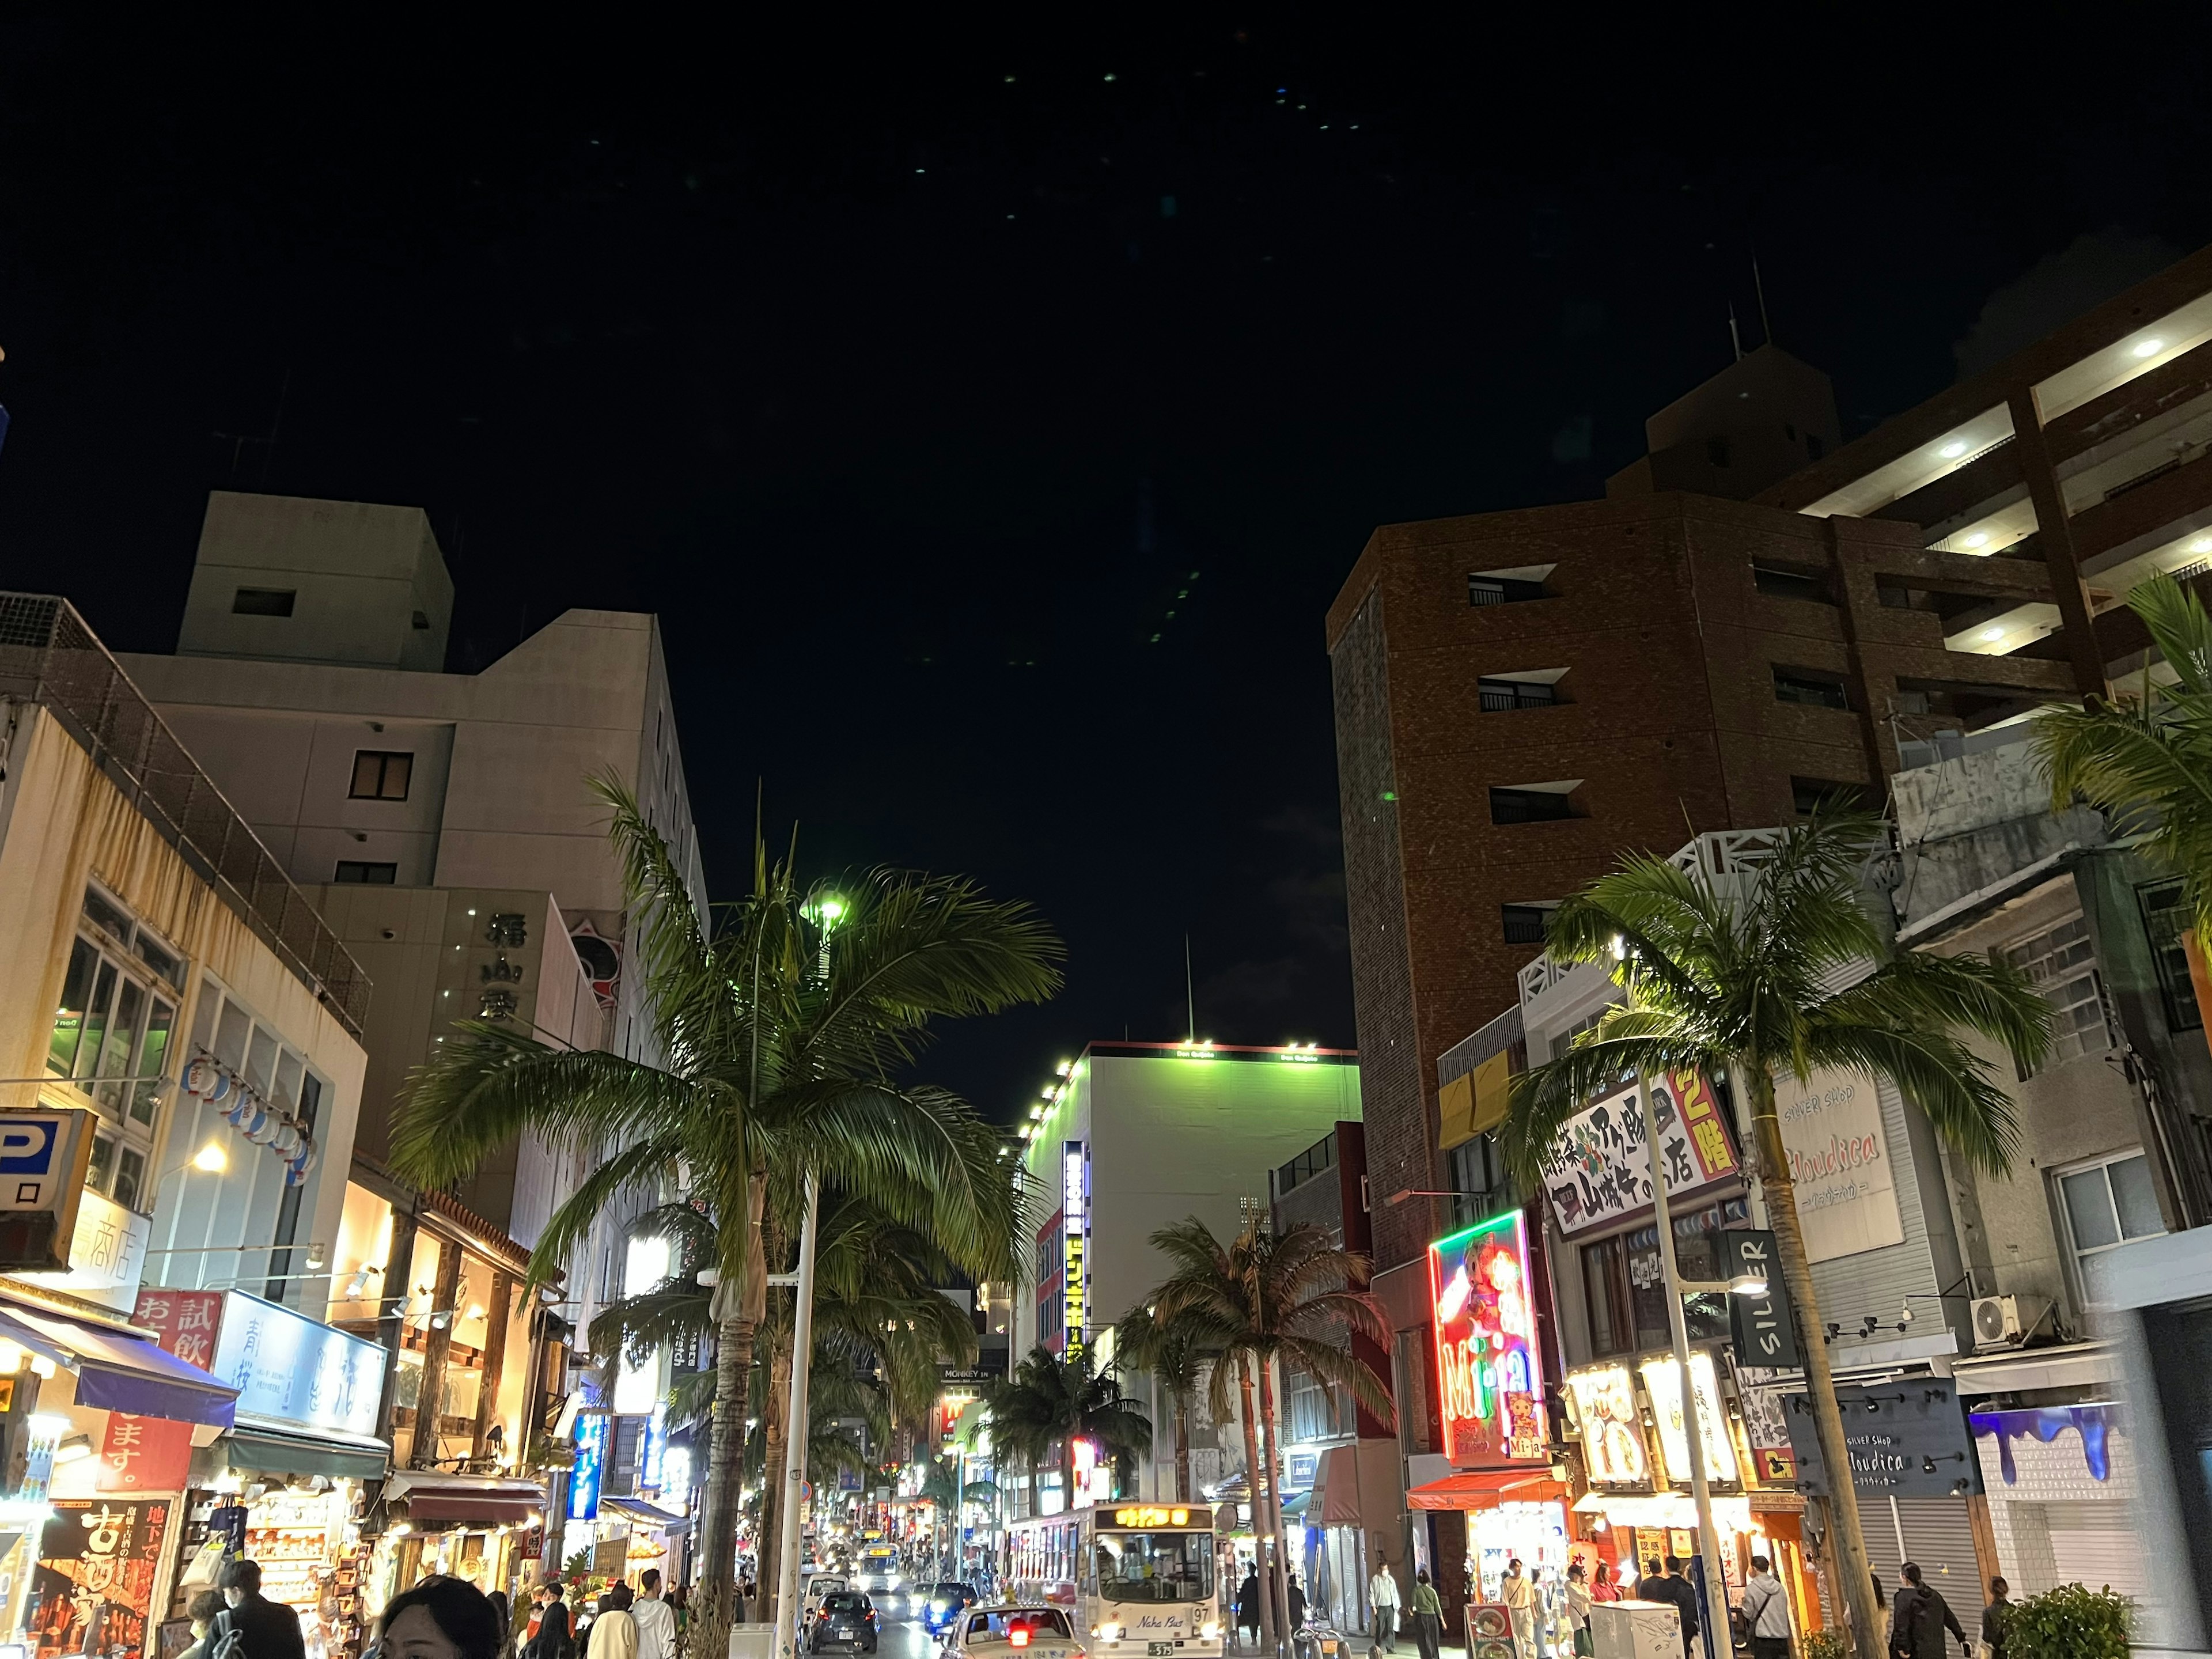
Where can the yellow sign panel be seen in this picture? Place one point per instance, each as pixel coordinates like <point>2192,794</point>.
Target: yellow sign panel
<point>1152,1518</point>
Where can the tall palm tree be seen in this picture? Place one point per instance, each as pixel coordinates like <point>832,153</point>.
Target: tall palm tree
<point>1053,1401</point>
<point>1267,1298</point>
<point>1737,981</point>
<point>1177,1355</point>
<point>2147,758</point>
<point>784,1032</point>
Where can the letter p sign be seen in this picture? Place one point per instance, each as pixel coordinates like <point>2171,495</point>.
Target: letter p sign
<point>27,1144</point>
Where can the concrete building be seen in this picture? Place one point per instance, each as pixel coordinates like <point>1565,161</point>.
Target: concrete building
<point>1131,1137</point>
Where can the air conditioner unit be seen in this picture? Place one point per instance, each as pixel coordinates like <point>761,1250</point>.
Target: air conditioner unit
<point>2007,1322</point>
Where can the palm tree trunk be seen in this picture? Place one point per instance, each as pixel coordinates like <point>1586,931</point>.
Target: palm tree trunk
<point>768,1579</point>
<point>1267,1625</point>
<point>1031,1472</point>
<point>1850,1542</point>
<point>1183,1448</point>
<point>718,1503</point>
<point>1270,1446</point>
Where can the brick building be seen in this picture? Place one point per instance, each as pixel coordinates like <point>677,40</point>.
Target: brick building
<point>1755,616</point>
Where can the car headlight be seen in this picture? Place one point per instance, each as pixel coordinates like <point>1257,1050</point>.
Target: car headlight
<point>1210,1630</point>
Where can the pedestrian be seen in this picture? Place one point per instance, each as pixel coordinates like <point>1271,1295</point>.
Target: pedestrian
<point>1297,1599</point>
<point>1579,1598</point>
<point>656,1620</point>
<point>551,1640</point>
<point>1248,1605</point>
<point>1518,1592</point>
<point>1918,1618</point>
<point>498,1600</point>
<point>1602,1588</point>
<point>1669,1586</point>
<point>1383,1601</point>
<point>1428,1615</point>
<point>440,1618</point>
<point>1765,1612</point>
<point>202,1611</point>
<point>614,1632</point>
<point>265,1629</point>
<point>1996,1617</point>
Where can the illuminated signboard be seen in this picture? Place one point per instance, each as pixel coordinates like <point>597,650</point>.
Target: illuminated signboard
<point>1488,1380</point>
<point>1611,1427</point>
<point>1600,1172</point>
<point>1663,1381</point>
<point>1152,1518</point>
<point>1073,1227</point>
<point>590,1459</point>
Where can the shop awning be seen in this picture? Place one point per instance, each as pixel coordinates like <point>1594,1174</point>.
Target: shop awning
<point>487,1500</point>
<point>1668,1509</point>
<point>1485,1489</point>
<point>649,1514</point>
<point>119,1373</point>
<point>1337,1481</point>
<point>1294,1506</point>
<point>269,1451</point>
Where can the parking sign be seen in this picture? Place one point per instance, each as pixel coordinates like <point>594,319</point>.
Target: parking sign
<point>42,1157</point>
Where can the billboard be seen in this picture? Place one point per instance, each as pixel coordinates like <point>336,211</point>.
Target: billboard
<point>94,1586</point>
<point>1490,1388</point>
<point>1612,1427</point>
<point>1074,1223</point>
<point>1663,1381</point>
<point>1600,1171</point>
<point>1839,1165</point>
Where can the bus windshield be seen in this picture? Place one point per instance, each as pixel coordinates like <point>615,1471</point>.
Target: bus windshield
<point>1155,1567</point>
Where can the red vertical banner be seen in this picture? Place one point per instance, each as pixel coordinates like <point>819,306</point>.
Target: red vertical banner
<point>95,1578</point>
<point>143,1454</point>
<point>187,1322</point>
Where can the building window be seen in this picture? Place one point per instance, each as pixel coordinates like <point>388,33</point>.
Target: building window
<point>1805,686</point>
<point>380,775</point>
<point>1626,1287</point>
<point>278,1074</point>
<point>2165,918</point>
<point>1716,450</point>
<point>2106,1204</point>
<point>262,601</point>
<point>114,1037</point>
<point>1478,1179</point>
<point>1507,586</point>
<point>1316,1159</point>
<point>1780,582</point>
<point>1524,923</point>
<point>1318,1411</point>
<point>360,872</point>
<point>2059,963</point>
<point>1500,696</point>
<point>1530,806</point>
<point>1807,793</point>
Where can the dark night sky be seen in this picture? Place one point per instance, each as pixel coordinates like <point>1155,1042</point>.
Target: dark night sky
<point>911,376</point>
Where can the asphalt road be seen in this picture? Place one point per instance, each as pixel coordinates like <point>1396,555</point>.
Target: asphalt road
<point>900,1638</point>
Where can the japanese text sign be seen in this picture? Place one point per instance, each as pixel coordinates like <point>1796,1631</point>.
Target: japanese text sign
<point>143,1454</point>
<point>1488,1384</point>
<point>95,1584</point>
<point>1600,1172</point>
<point>187,1322</point>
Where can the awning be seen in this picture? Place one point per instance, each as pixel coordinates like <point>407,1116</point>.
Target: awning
<point>487,1500</point>
<point>1337,1481</point>
<point>1485,1489</point>
<point>119,1373</point>
<point>1677,1510</point>
<point>1294,1507</point>
<point>650,1514</point>
<point>2077,1364</point>
<point>270,1451</point>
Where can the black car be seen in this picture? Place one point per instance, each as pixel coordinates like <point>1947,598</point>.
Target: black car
<point>945,1603</point>
<point>847,1619</point>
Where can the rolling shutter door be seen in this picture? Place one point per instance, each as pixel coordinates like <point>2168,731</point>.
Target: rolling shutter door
<point>2099,1544</point>
<point>1939,1539</point>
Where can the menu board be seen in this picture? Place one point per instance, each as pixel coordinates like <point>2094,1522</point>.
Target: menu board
<point>94,1581</point>
<point>1612,1427</point>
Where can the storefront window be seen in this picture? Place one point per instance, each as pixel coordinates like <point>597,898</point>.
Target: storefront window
<point>1626,1286</point>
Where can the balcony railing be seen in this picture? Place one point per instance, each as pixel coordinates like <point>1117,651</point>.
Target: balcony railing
<point>49,656</point>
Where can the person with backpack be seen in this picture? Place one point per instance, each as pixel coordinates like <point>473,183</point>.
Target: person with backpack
<point>252,1626</point>
<point>202,1611</point>
<point>1766,1610</point>
<point>1918,1620</point>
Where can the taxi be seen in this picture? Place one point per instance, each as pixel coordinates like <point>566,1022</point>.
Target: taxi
<point>1029,1630</point>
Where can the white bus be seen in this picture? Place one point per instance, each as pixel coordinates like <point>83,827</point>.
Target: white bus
<point>1139,1579</point>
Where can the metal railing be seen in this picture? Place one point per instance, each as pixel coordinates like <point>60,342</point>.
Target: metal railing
<point>49,656</point>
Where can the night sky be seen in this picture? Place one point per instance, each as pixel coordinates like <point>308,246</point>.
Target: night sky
<point>991,413</point>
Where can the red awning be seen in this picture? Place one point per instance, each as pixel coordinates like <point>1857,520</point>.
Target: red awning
<point>473,1506</point>
<point>1485,1489</point>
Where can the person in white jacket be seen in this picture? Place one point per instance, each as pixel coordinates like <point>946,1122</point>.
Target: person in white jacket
<point>1384,1600</point>
<point>656,1620</point>
<point>1766,1609</point>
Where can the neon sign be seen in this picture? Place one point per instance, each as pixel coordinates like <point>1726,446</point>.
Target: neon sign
<point>1489,1385</point>
<point>1148,1516</point>
<point>1072,1218</point>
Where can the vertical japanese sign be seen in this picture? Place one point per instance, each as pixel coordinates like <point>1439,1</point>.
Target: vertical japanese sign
<point>1488,1383</point>
<point>187,1322</point>
<point>1074,1223</point>
<point>1601,1173</point>
<point>95,1578</point>
<point>591,1462</point>
<point>143,1454</point>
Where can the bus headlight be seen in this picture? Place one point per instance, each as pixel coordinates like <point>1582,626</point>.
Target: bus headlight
<point>1210,1630</point>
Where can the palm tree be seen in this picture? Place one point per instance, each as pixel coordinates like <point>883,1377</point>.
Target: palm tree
<point>1262,1299</point>
<point>2147,758</point>
<point>783,1031</point>
<point>1176,1357</point>
<point>1052,1400</point>
<point>1738,983</point>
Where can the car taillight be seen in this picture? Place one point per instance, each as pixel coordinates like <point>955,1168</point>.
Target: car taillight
<point>1020,1639</point>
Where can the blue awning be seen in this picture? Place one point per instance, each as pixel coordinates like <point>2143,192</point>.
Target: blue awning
<point>118,1372</point>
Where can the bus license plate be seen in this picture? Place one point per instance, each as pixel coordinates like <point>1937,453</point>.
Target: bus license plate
<point>1155,1649</point>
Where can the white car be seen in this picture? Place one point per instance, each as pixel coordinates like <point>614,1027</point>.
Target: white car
<point>1030,1630</point>
<point>821,1584</point>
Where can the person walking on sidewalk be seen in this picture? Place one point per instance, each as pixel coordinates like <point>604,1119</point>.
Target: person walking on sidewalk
<point>1428,1615</point>
<point>1383,1601</point>
<point>1579,1607</point>
<point>1518,1592</point>
<point>1996,1617</point>
<point>1918,1619</point>
<point>1765,1612</point>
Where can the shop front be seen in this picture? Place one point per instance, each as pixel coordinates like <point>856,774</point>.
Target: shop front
<point>288,1483</point>
<point>487,1529</point>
